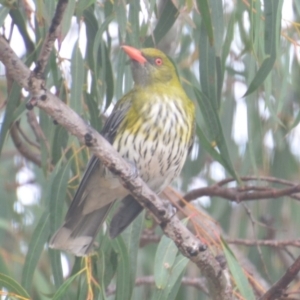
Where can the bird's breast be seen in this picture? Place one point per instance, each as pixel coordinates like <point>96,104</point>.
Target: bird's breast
<point>157,143</point>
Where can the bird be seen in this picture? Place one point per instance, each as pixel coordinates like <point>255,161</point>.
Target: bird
<point>153,128</point>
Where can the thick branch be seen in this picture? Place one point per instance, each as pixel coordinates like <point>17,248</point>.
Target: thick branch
<point>186,242</point>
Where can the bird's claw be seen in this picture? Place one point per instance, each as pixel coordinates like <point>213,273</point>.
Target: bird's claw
<point>170,210</point>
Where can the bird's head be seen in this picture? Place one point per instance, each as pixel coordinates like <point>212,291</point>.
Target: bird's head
<point>150,66</point>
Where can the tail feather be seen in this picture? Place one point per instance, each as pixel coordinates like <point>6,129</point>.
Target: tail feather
<point>129,209</point>
<point>78,233</point>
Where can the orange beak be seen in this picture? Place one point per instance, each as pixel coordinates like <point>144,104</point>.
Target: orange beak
<point>134,54</point>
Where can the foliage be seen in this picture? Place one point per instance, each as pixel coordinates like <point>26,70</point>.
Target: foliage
<point>238,62</point>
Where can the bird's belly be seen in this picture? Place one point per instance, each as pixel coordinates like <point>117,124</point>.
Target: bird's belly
<point>157,161</point>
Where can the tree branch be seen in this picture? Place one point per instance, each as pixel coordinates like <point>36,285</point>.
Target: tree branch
<point>246,192</point>
<point>270,243</point>
<point>277,290</point>
<point>50,38</point>
<point>22,147</point>
<point>198,283</point>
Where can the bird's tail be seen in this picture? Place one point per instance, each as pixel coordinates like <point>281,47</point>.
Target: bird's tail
<point>128,210</point>
<point>78,233</point>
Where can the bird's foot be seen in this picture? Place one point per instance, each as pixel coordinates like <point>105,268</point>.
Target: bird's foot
<point>134,170</point>
<point>170,210</point>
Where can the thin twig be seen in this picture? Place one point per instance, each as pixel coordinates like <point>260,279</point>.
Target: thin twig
<point>50,38</point>
<point>26,138</point>
<point>242,194</point>
<point>198,283</point>
<point>257,178</point>
<point>14,133</point>
<point>22,147</point>
<point>269,243</point>
<point>281,285</point>
<point>36,128</point>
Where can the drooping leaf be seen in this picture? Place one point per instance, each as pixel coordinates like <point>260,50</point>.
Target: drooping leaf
<point>12,286</point>
<point>238,273</point>
<point>36,245</point>
<point>214,129</point>
<point>272,36</point>
<point>12,102</point>
<point>164,24</point>
<point>77,72</point>
<point>164,259</point>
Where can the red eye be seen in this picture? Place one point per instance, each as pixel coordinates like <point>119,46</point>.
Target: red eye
<point>158,61</point>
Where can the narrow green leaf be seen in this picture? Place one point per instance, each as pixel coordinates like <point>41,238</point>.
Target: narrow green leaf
<point>261,75</point>
<point>56,267</point>
<point>44,227</point>
<point>97,41</point>
<point>208,146</point>
<point>107,263</point>
<point>60,142</point>
<point>177,273</point>
<point>296,121</point>
<point>109,78</point>
<point>164,24</point>
<point>46,10</point>
<point>120,74</point>
<point>12,286</point>
<point>228,40</point>
<point>102,67</point>
<point>58,183</point>
<point>164,259</point>
<point>83,5</point>
<point>3,265</point>
<point>272,14</point>
<point>48,131</point>
<point>134,10</point>
<point>216,8</point>
<point>173,280</point>
<point>124,276</point>
<point>77,72</point>
<point>102,264</point>
<point>12,102</point>
<point>207,68</point>
<point>204,9</point>
<point>121,18</point>
<point>39,237</point>
<point>238,273</point>
<point>214,129</point>
<point>3,14</point>
<point>131,238</point>
<point>94,112</point>
<point>91,25</point>
<point>64,287</point>
<point>21,24</point>
<point>57,190</point>
<point>66,21</point>
<point>18,112</point>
